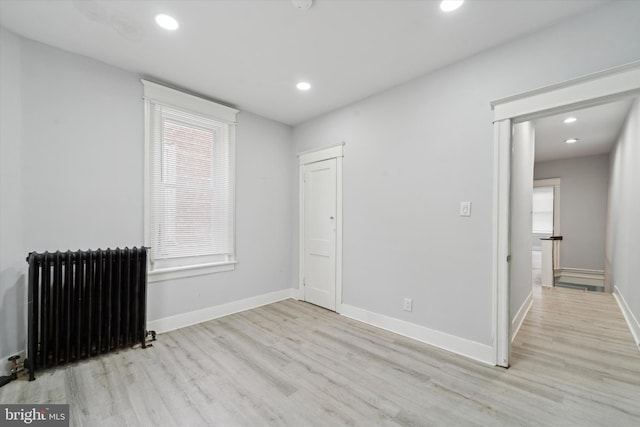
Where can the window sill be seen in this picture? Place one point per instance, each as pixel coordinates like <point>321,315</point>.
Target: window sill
<point>189,271</point>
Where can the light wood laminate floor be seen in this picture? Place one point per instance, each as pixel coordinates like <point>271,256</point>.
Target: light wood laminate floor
<point>294,364</point>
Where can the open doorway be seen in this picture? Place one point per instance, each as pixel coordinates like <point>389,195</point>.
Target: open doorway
<point>573,147</point>
<point>596,89</point>
<point>545,231</point>
<point>536,208</point>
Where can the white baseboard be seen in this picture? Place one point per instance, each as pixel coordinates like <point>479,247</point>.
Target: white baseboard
<point>471,349</point>
<point>296,293</point>
<point>182,320</point>
<point>633,323</point>
<point>580,276</point>
<point>516,323</point>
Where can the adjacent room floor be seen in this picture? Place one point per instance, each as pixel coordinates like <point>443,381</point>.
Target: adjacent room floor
<point>294,364</point>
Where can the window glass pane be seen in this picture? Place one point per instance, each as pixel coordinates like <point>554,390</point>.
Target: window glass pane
<point>542,215</point>
<point>191,186</point>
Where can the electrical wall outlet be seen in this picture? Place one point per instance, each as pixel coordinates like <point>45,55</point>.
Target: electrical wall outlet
<point>408,304</point>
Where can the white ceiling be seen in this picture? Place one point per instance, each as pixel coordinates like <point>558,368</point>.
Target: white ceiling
<point>250,53</point>
<point>596,129</point>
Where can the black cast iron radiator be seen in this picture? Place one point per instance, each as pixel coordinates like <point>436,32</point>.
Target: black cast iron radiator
<point>85,303</point>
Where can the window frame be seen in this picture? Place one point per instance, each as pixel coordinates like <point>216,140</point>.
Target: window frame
<point>154,92</point>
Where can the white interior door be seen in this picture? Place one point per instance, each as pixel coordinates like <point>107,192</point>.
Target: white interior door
<point>319,252</point>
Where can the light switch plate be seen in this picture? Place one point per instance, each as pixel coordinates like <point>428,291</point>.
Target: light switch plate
<point>465,208</point>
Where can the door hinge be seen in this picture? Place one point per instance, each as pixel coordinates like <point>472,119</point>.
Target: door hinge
<point>508,258</point>
<point>304,282</point>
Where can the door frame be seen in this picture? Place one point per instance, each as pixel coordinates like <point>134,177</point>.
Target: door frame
<point>305,158</point>
<point>595,89</point>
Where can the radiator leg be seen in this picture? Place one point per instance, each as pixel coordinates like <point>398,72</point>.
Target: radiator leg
<point>153,338</point>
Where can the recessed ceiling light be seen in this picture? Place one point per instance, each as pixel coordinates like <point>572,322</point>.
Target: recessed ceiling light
<point>450,5</point>
<point>302,4</point>
<point>167,22</point>
<point>571,140</point>
<point>303,86</point>
<point>570,120</point>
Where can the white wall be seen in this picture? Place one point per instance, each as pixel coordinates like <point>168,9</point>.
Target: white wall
<point>82,152</point>
<point>522,155</point>
<point>12,254</point>
<point>584,183</point>
<point>414,152</point>
<point>82,180</point>
<point>623,246</point>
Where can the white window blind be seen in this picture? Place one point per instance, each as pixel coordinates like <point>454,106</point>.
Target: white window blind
<point>191,195</point>
<point>542,211</point>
